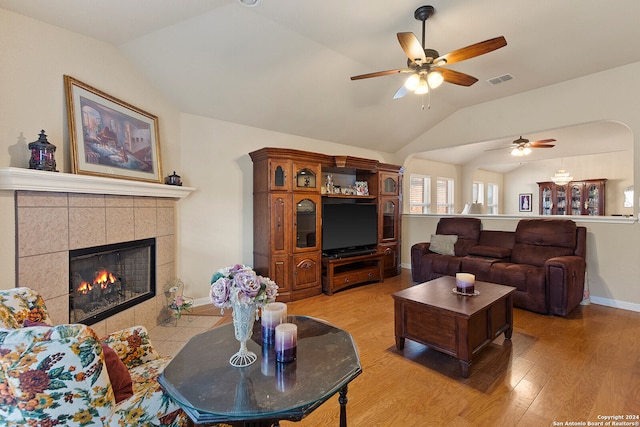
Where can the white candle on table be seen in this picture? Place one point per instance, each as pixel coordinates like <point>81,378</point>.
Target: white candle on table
<point>286,342</point>
<point>465,283</point>
<point>273,314</point>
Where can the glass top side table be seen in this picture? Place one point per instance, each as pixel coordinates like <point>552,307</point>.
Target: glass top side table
<point>210,390</point>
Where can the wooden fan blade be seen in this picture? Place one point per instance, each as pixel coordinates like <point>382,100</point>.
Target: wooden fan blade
<point>401,92</point>
<point>472,51</point>
<point>456,77</point>
<point>412,47</point>
<point>542,145</point>
<point>542,141</point>
<point>378,74</point>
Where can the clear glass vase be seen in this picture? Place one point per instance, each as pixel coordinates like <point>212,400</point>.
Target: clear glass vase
<point>244,315</point>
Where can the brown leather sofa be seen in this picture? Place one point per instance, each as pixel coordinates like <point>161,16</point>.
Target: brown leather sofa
<point>544,259</point>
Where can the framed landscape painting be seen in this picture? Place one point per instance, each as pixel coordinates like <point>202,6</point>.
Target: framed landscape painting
<point>525,202</point>
<point>110,137</point>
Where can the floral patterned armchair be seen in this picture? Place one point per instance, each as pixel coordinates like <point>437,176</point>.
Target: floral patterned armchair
<point>57,376</point>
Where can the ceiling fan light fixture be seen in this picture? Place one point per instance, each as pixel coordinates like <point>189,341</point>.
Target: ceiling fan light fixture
<point>562,177</point>
<point>249,3</point>
<point>412,82</point>
<point>435,79</point>
<point>423,87</point>
<point>517,152</point>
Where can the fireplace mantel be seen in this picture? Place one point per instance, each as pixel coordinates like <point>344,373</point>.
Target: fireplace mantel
<point>14,179</point>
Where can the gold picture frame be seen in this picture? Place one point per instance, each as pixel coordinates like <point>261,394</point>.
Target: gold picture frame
<point>110,137</point>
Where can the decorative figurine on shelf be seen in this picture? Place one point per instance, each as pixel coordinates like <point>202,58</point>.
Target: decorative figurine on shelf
<point>329,184</point>
<point>173,179</point>
<point>42,154</point>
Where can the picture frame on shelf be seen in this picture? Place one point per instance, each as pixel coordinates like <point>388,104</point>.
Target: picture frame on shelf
<point>525,200</point>
<point>110,137</point>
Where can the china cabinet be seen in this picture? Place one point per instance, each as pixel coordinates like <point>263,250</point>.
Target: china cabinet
<point>586,197</point>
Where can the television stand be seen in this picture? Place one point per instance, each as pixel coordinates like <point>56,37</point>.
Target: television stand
<point>340,273</point>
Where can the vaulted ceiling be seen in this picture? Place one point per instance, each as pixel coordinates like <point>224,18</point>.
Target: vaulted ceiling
<point>284,65</point>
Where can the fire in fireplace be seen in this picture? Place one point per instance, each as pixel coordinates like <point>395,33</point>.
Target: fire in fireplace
<point>107,279</point>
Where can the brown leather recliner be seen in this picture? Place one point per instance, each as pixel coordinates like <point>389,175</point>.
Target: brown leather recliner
<point>547,266</point>
<point>544,259</point>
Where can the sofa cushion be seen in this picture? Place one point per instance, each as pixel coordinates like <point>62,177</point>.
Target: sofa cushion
<point>118,374</point>
<point>20,304</point>
<point>529,281</point>
<point>443,244</point>
<point>537,240</point>
<point>467,230</point>
<point>490,252</point>
<point>58,368</point>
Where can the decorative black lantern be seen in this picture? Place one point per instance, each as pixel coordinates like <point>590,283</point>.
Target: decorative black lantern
<point>42,154</point>
<point>173,179</point>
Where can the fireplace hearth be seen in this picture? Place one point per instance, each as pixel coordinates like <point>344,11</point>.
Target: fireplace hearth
<point>105,280</point>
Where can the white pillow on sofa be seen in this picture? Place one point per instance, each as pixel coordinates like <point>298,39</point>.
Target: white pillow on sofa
<point>443,244</point>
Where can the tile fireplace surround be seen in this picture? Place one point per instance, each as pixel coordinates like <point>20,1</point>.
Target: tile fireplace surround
<point>57,212</point>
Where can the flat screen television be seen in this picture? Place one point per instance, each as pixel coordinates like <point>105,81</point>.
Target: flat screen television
<point>349,228</point>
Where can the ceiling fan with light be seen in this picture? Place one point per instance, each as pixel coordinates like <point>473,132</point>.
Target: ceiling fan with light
<point>522,146</point>
<point>426,65</point>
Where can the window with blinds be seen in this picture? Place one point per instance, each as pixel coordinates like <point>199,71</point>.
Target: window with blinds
<point>445,195</point>
<point>492,199</point>
<point>478,192</point>
<point>419,194</point>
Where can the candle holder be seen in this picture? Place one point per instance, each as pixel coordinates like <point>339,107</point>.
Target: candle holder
<point>42,154</point>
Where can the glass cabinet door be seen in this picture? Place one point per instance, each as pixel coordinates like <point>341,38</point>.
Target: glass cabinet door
<point>306,177</point>
<point>390,183</point>
<point>306,222</point>
<point>279,174</point>
<point>593,200</point>
<point>390,186</point>
<point>389,220</point>
<point>561,198</point>
<point>545,201</point>
<point>576,200</point>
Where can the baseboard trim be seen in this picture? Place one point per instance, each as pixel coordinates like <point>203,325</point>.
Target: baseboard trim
<point>201,301</point>
<point>615,303</point>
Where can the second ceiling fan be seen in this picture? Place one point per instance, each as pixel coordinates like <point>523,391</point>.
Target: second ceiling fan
<point>426,65</point>
<point>522,146</point>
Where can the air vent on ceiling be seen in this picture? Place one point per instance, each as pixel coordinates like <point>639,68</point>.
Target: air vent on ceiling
<point>500,79</point>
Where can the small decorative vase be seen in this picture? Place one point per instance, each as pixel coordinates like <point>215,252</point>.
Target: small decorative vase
<point>244,315</point>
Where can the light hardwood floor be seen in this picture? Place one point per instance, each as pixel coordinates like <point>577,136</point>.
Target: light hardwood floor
<point>554,370</point>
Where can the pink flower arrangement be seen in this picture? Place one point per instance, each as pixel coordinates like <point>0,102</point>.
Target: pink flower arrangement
<point>180,303</point>
<point>239,284</point>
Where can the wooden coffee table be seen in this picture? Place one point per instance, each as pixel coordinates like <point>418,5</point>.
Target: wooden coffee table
<point>460,326</point>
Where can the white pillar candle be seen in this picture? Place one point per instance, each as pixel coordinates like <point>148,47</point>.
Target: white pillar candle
<point>465,283</point>
<point>286,342</point>
<point>273,314</point>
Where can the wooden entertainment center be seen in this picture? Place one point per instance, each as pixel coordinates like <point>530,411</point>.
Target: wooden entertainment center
<point>290,188</point>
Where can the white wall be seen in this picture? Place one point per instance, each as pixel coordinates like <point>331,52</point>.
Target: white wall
<point>216,224</point>
<point>616,167</point>
<point>34,56</point>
